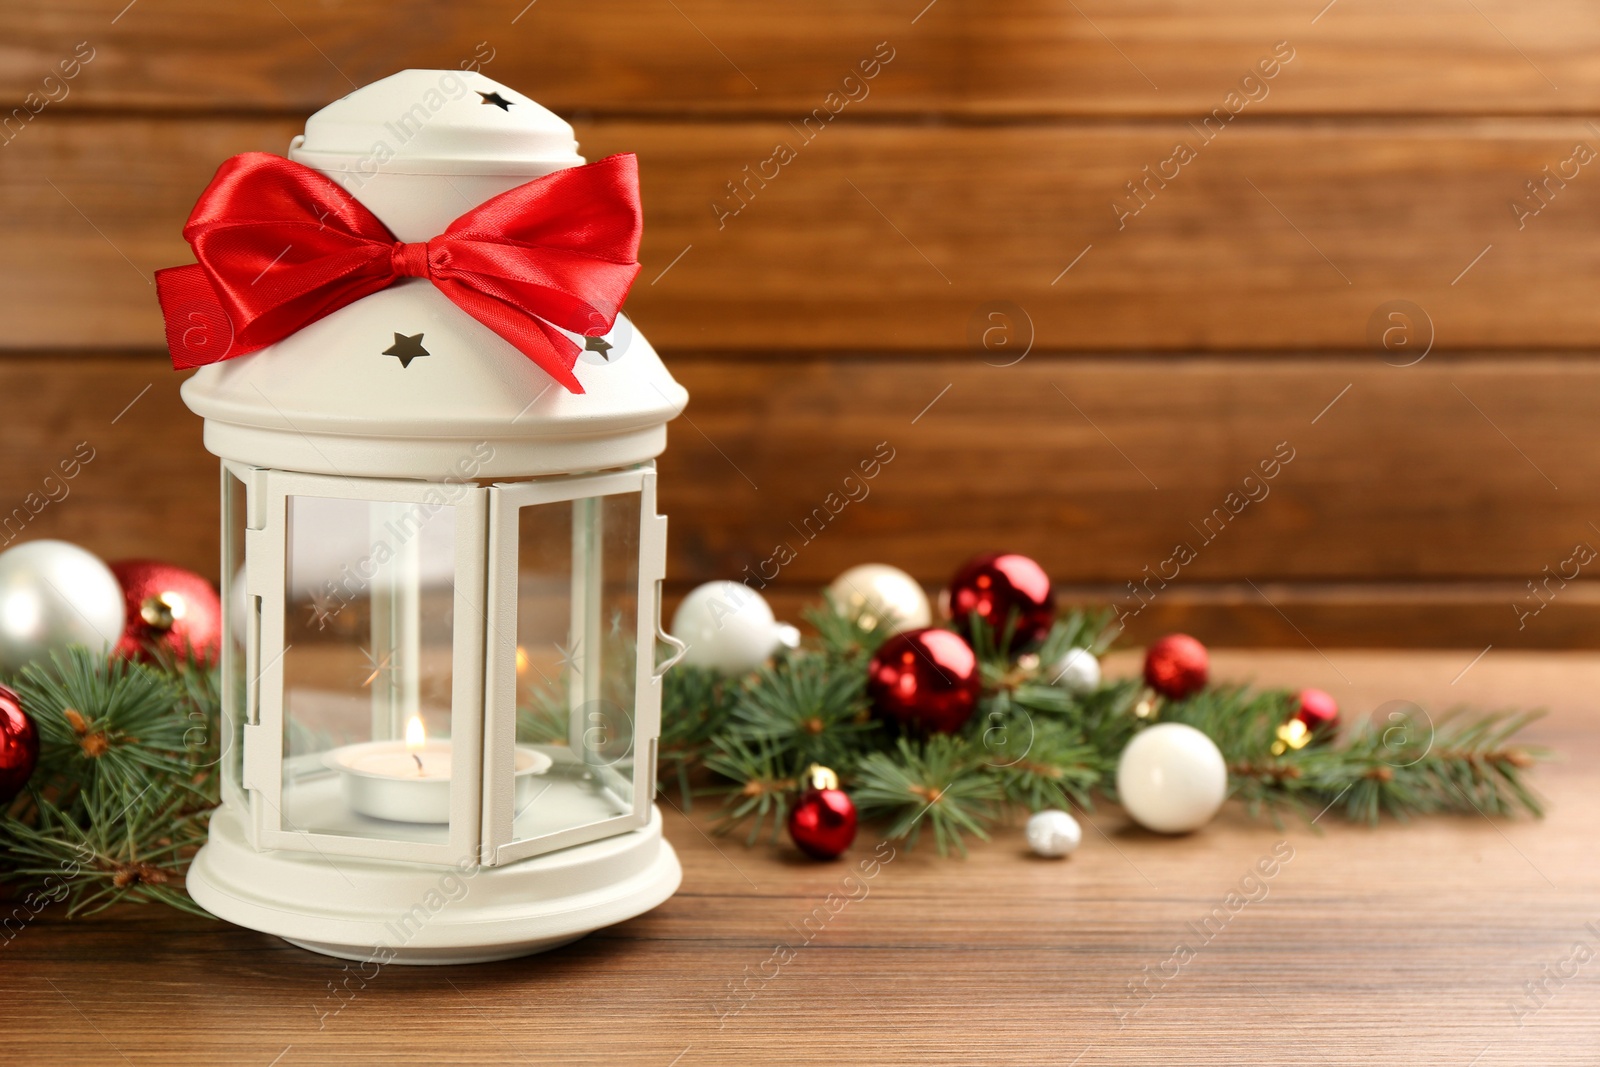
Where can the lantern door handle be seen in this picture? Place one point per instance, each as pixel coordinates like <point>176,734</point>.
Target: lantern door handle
<point>679,649</point>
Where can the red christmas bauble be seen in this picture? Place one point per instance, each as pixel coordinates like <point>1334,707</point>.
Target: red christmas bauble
<point>823,823</point>
<point>925,679</point>
<point>1176,666</point>
<point>19,745</point>
<point>994,585</point>
<point>167,607</point>
<point>1317,710</point>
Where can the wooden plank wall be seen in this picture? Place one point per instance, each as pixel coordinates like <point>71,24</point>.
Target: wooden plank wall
<point>1082,267</point>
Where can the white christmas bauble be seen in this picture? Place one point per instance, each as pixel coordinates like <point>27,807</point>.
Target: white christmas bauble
<point>52,595</point>
<point>728,627</point>
<point>1076,672</point>
<point>1053,833</point>
<point>1171,778</point>
<point>882,595</point>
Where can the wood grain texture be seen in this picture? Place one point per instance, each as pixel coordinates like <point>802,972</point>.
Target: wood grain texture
<point>1448,469</point>
<point>145,486</point>
<point>1432,476</point>
<point>819,310</point>
<point>718,57</point>
<point>1275,237</point>
<point>1406,944</point>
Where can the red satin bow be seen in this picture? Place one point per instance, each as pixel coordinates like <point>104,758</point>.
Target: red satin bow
<point>281,245</point>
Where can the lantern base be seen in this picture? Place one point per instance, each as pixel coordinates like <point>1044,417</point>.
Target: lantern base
<point>381,912</point>
<point>421,957</point>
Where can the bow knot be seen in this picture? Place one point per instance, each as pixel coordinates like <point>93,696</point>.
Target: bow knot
<point>280,246</point>
<point>409,259</point>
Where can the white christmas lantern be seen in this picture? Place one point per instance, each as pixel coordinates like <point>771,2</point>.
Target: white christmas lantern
<point>443,679</point>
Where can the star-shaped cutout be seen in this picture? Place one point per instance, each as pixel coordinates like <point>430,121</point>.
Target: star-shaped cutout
<point>406,348</point>
<point>600,345</point>
<point>496,99</point>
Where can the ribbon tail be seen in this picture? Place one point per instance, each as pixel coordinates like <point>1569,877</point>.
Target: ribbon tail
<point>549,348</point>
<point>199,331</point>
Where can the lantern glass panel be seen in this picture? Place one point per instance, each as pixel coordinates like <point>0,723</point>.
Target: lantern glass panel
<point>576,663</point>
<point>369,630</point>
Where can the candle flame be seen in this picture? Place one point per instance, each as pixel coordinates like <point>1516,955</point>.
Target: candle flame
<point>416,736</point>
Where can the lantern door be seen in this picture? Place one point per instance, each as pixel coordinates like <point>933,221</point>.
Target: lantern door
<point>573,690</point>
<point>366,736</point>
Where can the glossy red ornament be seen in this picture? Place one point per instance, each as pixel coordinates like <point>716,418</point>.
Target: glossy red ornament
<point>996,584</point>
<point>19,745</point>
<point>823,822</point>
<point>926,680</point>
<point>1176,666</point>
<point>167,607</point>
<point>1317,710</point>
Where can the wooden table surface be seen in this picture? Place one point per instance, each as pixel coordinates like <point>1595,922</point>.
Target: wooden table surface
<point>1410,944</point>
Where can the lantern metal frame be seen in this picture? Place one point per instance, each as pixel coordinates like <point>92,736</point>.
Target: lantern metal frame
<point>483,701</point>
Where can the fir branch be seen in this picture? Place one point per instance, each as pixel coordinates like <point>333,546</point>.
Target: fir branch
<point>109,852</point>
<point>104,723</point>
<point>1402,766</point>
<point>937,782</point>
<point>845,636</point>
<point>1461,764</point>
<point>1243,725</point>
<point>808,708</point>
<point>198,682</point>
<point>763,781</point>
<point>696,705</point>
<point>1079,628</point>
<point>1094,630</point>
<point>1048,700</point>
<point>125,782</point>
<point>993,648</point>
<point>1106,722</point>
<point>1041,763</point>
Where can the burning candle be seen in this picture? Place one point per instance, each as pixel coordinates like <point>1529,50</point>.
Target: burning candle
<point>409,781</point>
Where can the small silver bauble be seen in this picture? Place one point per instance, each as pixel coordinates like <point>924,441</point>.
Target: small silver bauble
<point>1077,672</point>
<point>881,595</point>
<point>1053,833</point>
<point>729,627</point>
<point>52,595</point>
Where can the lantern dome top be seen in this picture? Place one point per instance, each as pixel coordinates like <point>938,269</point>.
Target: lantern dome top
<point>437,122</point>
<point>402,383</point>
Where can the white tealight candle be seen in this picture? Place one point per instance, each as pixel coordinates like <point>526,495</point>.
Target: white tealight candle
<point>431,762</point>
<point>409,781</point>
